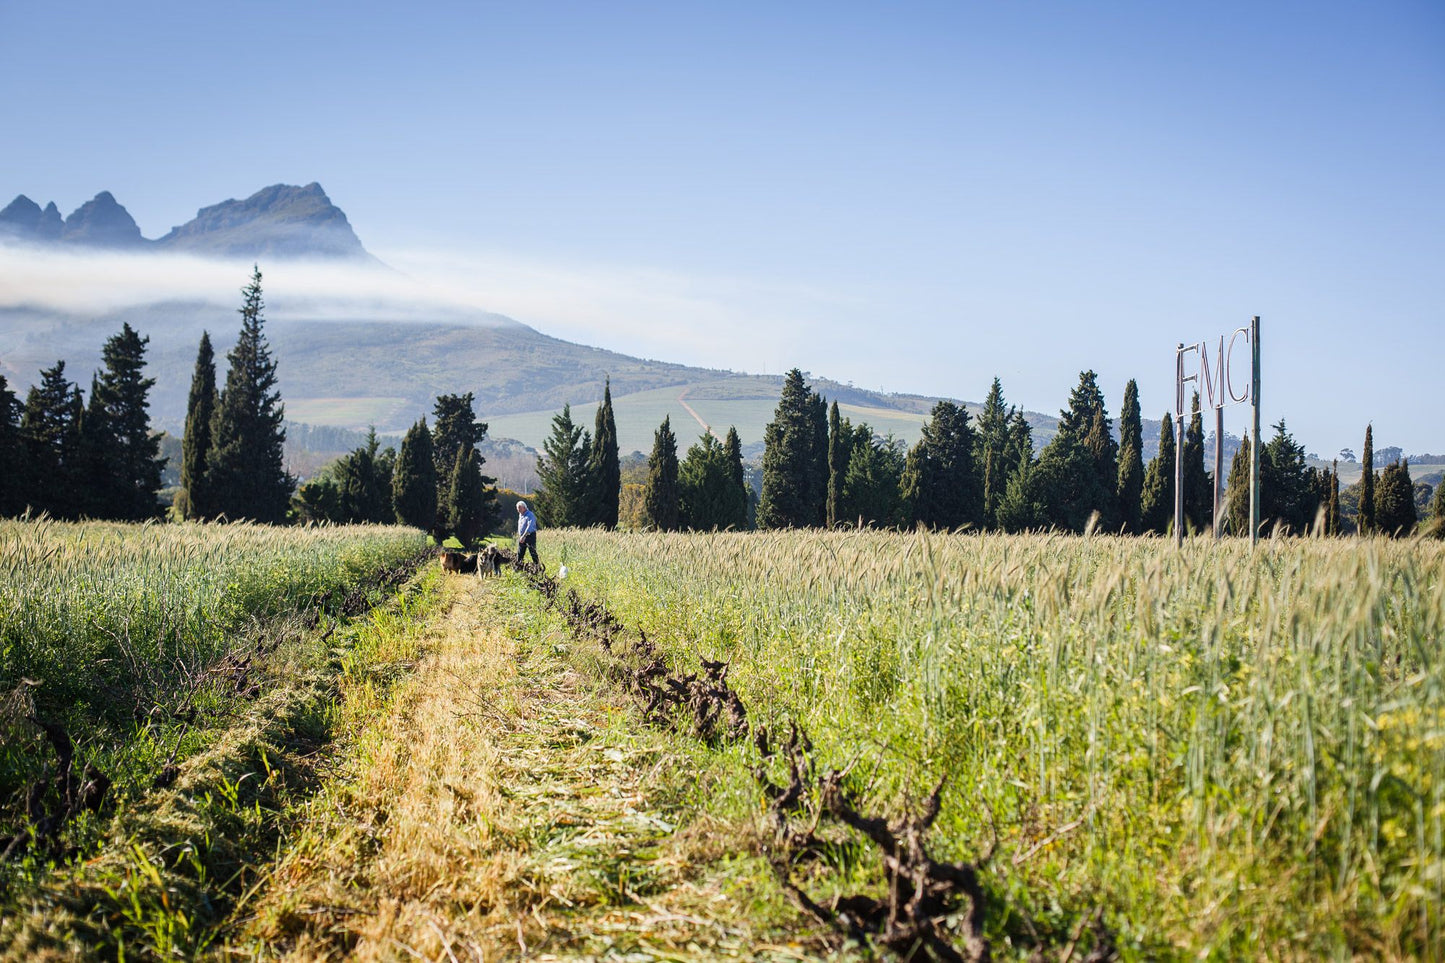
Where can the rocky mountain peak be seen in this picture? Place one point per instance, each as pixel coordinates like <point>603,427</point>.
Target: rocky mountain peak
<point>103,222</point>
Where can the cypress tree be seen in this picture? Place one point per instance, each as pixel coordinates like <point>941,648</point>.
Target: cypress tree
<point>563,496</point>
<point>940,483</point>
<point>456,429</point>
<point>365,494</point>
<point>1236,492</point>
<point>661,496</point>
<point>50,442</point>
<point>1286,494</point>
<point>413,484</point>
<point>991,452</point>
<point>1157,501</point>
<point>606,466</point>
<point>11,480</point>
<point>872,487</point>
<point>1395,501</point>
<point>1437,510</point>
<point>466,504</point>
<point>1332,515</point>
<point>795,459</point>
<point>1367,483</point>
<point>733,445</point>
<point>95,457</point>
<point>193,500</point>
<point>1078,471</point>
<point>245,471</point>
<point>131,475</point>
<point>1198,483</point>
<point>1130,486</point>
<point>838,450</point>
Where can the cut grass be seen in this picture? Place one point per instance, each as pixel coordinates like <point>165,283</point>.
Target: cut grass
<point>505,802</point>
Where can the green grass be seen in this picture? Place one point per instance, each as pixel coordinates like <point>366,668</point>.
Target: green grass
<point>346,412</point>
<point>1230,753</point>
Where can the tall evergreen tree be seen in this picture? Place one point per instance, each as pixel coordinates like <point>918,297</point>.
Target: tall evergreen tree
<point>563,498</point>
<point>193,500</point>
<point>733,445</point>
<point>131,454</point>
<point>1236,491</point>
<point>1287,496</point>
<point>1437,511</point>
<point>1395,501</point>
<point>795,459</point>
<point>1367,483</point>
<point>1332,515</point>
<point>1130,488</point>
<point>365,493</point>
<point>1078,471</point>
<point>414,486</point>
<point>1198,483</point>
<point>245,471</point>
<point>50,443</point>
<point>1157,501</point>
<point>94,458</point>
<point>12,495</point>
<point>839,449</point>
<point>455,430</point>
<point>606,470</point>
<point>708,498</point>
<point>991,454</point>
<point>940,482</point>
<point>467,515</point>
<point>661,497</point>
<point>872,487</point>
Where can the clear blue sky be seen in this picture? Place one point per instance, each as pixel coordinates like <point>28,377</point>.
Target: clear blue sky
<point>916,197</point>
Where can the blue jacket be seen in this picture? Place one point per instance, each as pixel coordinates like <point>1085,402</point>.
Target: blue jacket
<point>526,524</point>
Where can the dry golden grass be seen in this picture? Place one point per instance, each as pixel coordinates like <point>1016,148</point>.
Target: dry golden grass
<point>504,806</point>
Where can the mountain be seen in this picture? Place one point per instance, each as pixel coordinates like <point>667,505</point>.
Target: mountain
<point>280,221</point>
<point>277,221</point>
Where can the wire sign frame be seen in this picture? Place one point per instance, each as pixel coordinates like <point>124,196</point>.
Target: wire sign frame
<point>1215,379</point>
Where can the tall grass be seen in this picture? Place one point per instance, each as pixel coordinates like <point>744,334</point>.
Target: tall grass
<point>1231,751</point>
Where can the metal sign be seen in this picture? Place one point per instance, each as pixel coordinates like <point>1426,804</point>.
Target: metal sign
<point>1216,379</point>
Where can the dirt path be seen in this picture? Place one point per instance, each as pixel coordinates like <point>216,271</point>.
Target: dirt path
<point>510,807</point>
<point>695,416</point>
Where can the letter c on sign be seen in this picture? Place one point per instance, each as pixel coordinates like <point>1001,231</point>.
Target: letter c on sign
<point>1229,367</point>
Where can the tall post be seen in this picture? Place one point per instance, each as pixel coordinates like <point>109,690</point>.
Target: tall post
<point>1254,438</point>
<point>1179,446</point>
<point>1218,469</point>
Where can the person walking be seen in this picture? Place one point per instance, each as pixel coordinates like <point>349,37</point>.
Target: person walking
<point>526,533</point>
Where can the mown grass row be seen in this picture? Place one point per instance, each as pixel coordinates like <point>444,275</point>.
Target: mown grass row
<point>1229,752</point>
<point>193,658</point>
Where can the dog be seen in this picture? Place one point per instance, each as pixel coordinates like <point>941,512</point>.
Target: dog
<point>458,562</point>
<point>489,561</point>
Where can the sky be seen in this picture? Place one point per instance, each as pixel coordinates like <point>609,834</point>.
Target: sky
<point>916,197</point>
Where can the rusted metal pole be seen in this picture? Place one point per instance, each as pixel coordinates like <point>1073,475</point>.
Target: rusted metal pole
<point>1218,470</point>
<point>1254,438</point>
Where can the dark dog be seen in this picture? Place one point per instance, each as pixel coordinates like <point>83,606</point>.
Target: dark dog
<point>489,561</point>
<point>459,563</point>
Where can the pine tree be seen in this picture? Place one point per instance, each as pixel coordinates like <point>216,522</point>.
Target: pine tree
<point>1395,501</point>
<point>11,480</point>
<point>95,456</point>
<point>1367,483</point>
<point>661,497</point>
<point>838,451</point>
<point>50,443</point>
<point>1130,487</point>
<point>1198,483</point>
<point>245,472</point>
<point>707,495</point>
<point>193,500</point>
<point>414,486</point>
<point>606,467</point>
<point>129,453</point>
<point>365,494</point>
<point>872,487</point>
<point>795,459</point>
<point>940,482</point>
<point>1078,472</point>
<point>456,430</point>
<point>563,497</point>
<point>1286,494</point>
<point>1157,501</point>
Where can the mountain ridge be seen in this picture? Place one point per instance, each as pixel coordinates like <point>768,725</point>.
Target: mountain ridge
<point>279,221</point>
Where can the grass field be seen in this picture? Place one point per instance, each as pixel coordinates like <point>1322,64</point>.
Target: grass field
<point>1228,753</point>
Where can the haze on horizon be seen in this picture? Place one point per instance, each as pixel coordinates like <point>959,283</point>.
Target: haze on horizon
<point>915,199</point>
